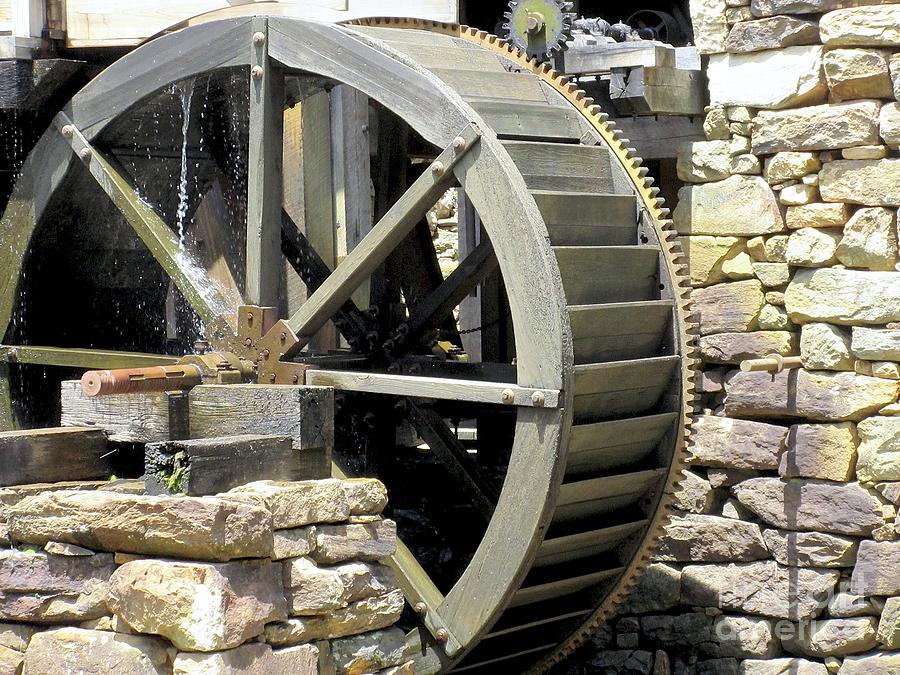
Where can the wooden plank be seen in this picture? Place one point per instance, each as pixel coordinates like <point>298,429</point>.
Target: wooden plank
<point>29,17</point>
<point>576,209</point>
<point>618,331</point>
<point>565,586</point>
<point>6,16</point>
<point>621,388</point>
<point>528,120</point>
<point>600,447</point>
<point>601,274</point>
<point>208,466</point>
<point>438,388</point>
<point>129,418</point>
<point>204,297</point>
<point>658,91</point>
<point>559,166</point>
<point>264,180</point>
<point>305,414</point>
<point>571,547</point>
<point>47,455</point>
<point>7,414</point>
<point>450,57</point>
<point>596,496</point>
<point>602,57</point>
<point>510,86</point>
<point>662,137</point>
<point>376,246</point>
<point>81,358</point>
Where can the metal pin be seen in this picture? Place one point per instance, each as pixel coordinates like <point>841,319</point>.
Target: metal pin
<point>420,608</point>
<point>257,72</point>
<point>442,634</point>
<point>537,398</point>
<point>508,396</point>
<point>68,130</point>
<point>85,154</point>
<point>459,143</point>
<point>437,168</point>
<point>259,38</point>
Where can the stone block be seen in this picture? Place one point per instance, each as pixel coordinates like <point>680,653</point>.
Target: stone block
<point>296,503</point>
<point>694,494</point>
<point>700,538</point>
<point>844,296</point>
<point>47,589</point>
<point>733,443</point>
<point>708,256</point>
<point>857,73</point>
<point>770,7</point>
<point>862,26</point>
<point>772,275</point>
<point>361,541</point>
<point>875,663</point>
<point>743,637</point>
<point>365,496</point>
<point>799,194</point>
<point>93,652</point>
<point>774,318</point>
<point>810,549</point>
<point>825,347</point>
<point>742,206</point>
<point>840,508</point>
<point>865,152</point>
<point>369,652</point>
<point>870,240</point>
<point>879,449</point>
<point>658,590</point>
<point>16,636</point>
<point>783,166</point>
<point>358,617</point>
<point>876,344</point>
<point>783,78</point>
<point>833,637</point>
<point>294,543</point>
<point>872,182</point>
<point>776,248</point>
<point>672,630</point>
<point>313,590</point>
<point>704,161</point>
<point>199,606</point>
<point>826,451</point>
<point>710,25</point>
<point>250,659</point>
<point>715,125</point>
<point>762,588</point>
<point>180,527</point>
<point>812,247</point>
<point>776,32</point>
<point>785,666</point>
<point>735,347</point>
<point>845,605</point>
<point>729,308</point>
<point>889,123</point>
<point>818,395</point>
<point>820,127</point>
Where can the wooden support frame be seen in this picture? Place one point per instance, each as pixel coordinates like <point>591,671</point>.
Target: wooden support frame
<point>66,357</point>
<point>264,180</point>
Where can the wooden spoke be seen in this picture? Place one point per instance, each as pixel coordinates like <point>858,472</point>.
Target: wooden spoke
<point>310,267</point>
<point>81,358</point>
<point>205,298</point>
<point>7,415</point>
<point>264,181</point>
<point>430,312</point>
<point>446,446</point>
<point>378,244</point>
<point>439,388</point>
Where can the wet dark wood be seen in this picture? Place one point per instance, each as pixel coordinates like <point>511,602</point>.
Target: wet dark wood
<point>49,455</point>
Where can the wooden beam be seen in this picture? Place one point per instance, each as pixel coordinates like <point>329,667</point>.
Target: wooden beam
<point>264,182</point>
<point>81,358</point>
<point>658,90</point>
<point>129,418</point>
<point>384,238</point>
<point>208,466</point>
<point>7,415</point>
<point>439,388</point>
<point>305,414</point>
<point>162,242</point>
<point>50,455</point>
<point>447,448</point>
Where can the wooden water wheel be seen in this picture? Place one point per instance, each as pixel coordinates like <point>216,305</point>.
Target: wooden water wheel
<point>577,383</point>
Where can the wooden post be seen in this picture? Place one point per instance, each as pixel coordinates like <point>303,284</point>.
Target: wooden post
<point>305,414</point>
<point>264,172</point>
<point>208,466</point>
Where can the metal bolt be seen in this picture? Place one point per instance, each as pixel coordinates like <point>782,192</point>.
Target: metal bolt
<point>538,399</point>
<point>248,342</point>
<point>420,608</point>
<point>265,353</point>
<point>437,168</point>
<point>508,396</point>
<point>442,634</point>
<point>459,143</point>
<point>85,154</point>
<point>284,337</point>
<point>535,22</point>
<point>259,38</point>
<point>295,379</point>
<point>12,355</point>
<point>272,377</point>
<point>68,130</point>
<point>249,318</point>
<point>257,72</point>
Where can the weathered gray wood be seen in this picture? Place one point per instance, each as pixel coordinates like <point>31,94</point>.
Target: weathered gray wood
<point>622,387</point>
<point>131,418</point>
<point>564,586</point>
<point>475,83</point>
<point>527,120</point>
<point>596,496</point>
<point>571,547</point>
<point>658,90</point>
<point>599,274</point>
<point>383,239</point>
<point>661,137</point>
<point>602,57</point>
<point>264,181</point>
<point>305,414</point>
<point>7,414</point>
<point>442,57</point>
<point>612,332</point>
<point>558,166</point>
<point>208,466</point>
<point>81,358</point>
<point>441,388</point>
<point>600,447</point>
<point>47,455</point>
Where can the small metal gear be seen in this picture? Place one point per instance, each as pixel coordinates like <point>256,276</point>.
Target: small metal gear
<point>539,27</point>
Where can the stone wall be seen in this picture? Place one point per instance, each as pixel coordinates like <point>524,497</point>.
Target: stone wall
<point>268,578</point>
<point>783,555</point>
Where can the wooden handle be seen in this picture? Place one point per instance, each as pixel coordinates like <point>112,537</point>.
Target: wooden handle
<point>774,363</point>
